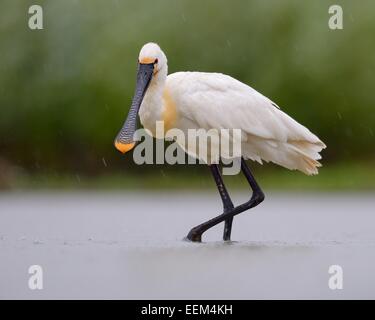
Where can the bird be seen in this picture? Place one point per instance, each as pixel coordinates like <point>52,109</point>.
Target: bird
<point>209,100</point>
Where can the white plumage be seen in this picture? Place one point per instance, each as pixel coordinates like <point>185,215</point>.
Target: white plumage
<point>193,100</point>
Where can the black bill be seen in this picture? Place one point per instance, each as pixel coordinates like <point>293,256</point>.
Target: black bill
<point>124,140</point>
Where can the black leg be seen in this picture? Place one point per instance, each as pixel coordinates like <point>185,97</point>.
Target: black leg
<point>227,202</point>
<point>257,197</point>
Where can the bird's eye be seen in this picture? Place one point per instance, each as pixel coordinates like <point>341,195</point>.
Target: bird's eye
<point>156,61</point>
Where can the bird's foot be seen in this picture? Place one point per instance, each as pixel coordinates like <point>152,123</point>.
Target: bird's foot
<point>194,236</point>
<point>226,235</point>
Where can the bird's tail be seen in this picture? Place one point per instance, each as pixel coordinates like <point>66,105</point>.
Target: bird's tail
<point>299,155</point>
<point>307,155</point>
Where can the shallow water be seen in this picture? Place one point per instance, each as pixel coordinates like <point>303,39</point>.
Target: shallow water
<point>130,245</point>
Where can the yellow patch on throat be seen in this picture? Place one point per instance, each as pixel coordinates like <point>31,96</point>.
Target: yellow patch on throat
<point>147,60</point>
<point>169,114</point>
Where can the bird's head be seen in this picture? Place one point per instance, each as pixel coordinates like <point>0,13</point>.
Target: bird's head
<point>152,54</point>
<point>152,67</point>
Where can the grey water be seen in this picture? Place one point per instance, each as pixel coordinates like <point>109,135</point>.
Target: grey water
<point>129,245</point>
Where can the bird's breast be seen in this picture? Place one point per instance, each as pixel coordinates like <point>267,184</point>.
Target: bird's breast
<point>158,105</point>
<point>169,111</point>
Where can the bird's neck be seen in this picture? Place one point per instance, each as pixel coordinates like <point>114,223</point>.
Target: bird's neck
<point>151,109</point>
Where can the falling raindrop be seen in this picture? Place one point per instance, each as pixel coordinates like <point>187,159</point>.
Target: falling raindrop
<point>104,162</point>
<point>339,115</point>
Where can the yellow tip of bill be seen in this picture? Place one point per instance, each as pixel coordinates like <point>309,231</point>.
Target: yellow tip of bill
<point>124,147</point>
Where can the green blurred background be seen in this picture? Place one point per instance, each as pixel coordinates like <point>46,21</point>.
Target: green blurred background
<point>65,90</point>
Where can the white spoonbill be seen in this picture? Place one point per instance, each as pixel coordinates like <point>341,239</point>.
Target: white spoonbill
<point>199,100</point>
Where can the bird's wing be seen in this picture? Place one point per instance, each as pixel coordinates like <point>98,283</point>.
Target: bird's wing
<point>215,100</point>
